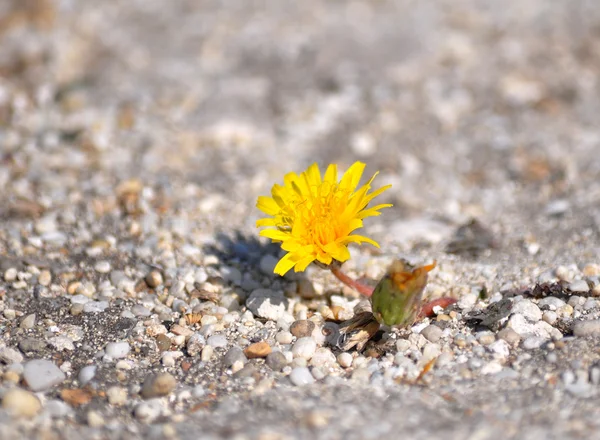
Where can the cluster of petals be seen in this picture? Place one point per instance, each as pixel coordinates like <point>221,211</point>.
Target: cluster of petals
<point>314,216</point>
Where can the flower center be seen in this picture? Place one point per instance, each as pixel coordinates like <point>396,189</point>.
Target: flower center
<point>320,214</point>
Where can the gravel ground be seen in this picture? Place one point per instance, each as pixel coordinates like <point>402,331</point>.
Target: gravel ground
<point>136,299</point>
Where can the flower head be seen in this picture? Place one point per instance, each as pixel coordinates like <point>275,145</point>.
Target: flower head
<point>314,217</point>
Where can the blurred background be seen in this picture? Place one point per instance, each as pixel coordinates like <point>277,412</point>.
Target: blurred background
<point>469,108</point>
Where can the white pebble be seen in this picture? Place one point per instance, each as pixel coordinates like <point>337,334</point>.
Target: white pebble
<point>86,374</point>
<point>344,359</point>
<point>304,348</point>
<point>207,353</point>
<point>117,350</point>
<point>284,337</point>
<point>102,267</point>
<point>41,374</point>
<point>579,286</point>
<point>301,376</point>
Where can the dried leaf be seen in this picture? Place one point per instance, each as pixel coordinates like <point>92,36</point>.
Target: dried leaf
<point>357,331</point>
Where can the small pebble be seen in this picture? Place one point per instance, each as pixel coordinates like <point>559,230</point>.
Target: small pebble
<point>301,376</point>
<point>402,345</point>
<point>9,356</point>
<point>302,328</point>
<point>95,419</point>
<point>41,374</point>
<point>86,374</point>
<point>95,306</point>
<point>257,350</point>
<point>158,385</point>
<point>28,322</point>
<point>217,341</point>
<point>116,395</point>
<point>163,342</point>
<point>460,340</point>
<point>21,403</point>
<point>323,357</point>
<point>550,317</point>
<point>207,353</point>
<point>550,303</point>
<point>432,333</point>
<point>528,310</point>
<point>233,355</point>
<point>267,264</point>
<point>276,361</point>
<point>510,336</point>
<point>579,286</point>
<point>45,278</point>
<point>102,267</point>
<point>491,368</point>
<point>587,328</point>
<point>267,304</point>
<point>486,338</point>
<point>154,279</point>
<point>284,337</point>
<point>117,350</point>
<point>195,344</point>
<point>148,411</point>
<point>304,348</point>
<point>533,342</point>
<point>345,359</point>
<point>140,311</point>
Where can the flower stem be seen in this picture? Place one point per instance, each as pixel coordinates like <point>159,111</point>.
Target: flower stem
<point>427,308</point>
<point>356,285</point>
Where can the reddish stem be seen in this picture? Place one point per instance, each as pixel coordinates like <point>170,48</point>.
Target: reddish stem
<point>427,308</point>
<point>356,285</point>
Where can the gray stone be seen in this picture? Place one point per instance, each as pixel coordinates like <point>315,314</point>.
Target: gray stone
<point>28,322</point>
<point>276,361</point>
<point>159,385</point>
<point>432,333</point>
<point>195,344</point>
<point>217,341</point>
<point>80,299</point>
<point>551,303</point>
<point>32,345</point>
<point>234,354</point>
<point>61,343</point>
<point>231,274</point>
<point>9,355</point>
<point>528,310</point>
<point>267,264</point>
<point>579,286</point>
<point>86,374</point>
<point>57,408</point>
<point>95,306</point>
<point>301,376</point>
<point>587,328</point>
<point>41,374</point>
<point>267,304</point>
<point>140,311</point>
<point>533,342</point>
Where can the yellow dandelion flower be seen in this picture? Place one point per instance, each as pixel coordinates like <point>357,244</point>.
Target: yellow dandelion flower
<point>314,217</point>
